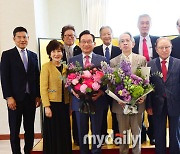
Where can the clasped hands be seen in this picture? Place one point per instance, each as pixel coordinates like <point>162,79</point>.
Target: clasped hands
<point>139,101</point>
<point>94,97</point>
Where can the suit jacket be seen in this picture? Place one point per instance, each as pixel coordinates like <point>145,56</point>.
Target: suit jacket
<point>137,60</point>
<point>100,103</point>
<point>176,47</point>
<point>115,51</point>
<point>169,89</point>
<point>76,51</point>
<point>14,77</point>
<point>153,41</point>
<point>51,84</point>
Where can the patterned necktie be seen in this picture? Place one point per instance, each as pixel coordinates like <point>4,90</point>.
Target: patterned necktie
<point>107,55</point>
<point>87,62</point>
<point>145,50</point>
<point>164,69</point>
<point>24,59</point>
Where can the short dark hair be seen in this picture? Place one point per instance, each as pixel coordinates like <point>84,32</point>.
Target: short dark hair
<point>53,45</point>
<point>65,28</point>
<point>84,33</point>
<point>19,29</point>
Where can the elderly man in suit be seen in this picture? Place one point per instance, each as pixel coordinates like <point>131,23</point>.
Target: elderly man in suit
<point>145,45</point>
<point>126,122</point>
<point>165,100</point>
<point>109,51</point>
<point>176,42</point>
<point>68,36</point>
<point>20,86</point>
<point>87,43</point>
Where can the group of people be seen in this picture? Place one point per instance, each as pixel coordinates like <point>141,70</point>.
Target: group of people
<point>24,88</point>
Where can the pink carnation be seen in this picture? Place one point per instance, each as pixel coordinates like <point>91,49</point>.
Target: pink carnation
<point>72,76</point>
<point>86,74</point>
<point>95,86</point>
<point>88,82</point>
<point>77,87</point>
<point>75,81</point>
<point>83,88</point>
<point>97,77</point>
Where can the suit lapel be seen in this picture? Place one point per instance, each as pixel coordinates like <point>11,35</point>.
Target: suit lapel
<point>101,51</point>
<point>18,59</point>
<point>112,53</point>
<point>29,59</point>
<point>170,66</point>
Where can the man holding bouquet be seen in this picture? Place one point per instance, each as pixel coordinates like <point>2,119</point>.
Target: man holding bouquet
<point>126,121</point>
<point>88,58</point>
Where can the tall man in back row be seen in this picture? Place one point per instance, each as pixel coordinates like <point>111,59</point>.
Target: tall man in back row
<point>20,86</point>
<point>145,45</point>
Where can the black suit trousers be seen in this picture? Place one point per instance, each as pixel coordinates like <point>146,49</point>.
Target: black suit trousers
<point>25,109</point>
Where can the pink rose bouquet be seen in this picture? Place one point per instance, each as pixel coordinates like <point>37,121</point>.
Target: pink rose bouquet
<point>85,82</point>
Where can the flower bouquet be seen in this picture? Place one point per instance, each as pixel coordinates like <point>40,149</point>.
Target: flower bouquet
<point>126,87</point>
<point>85,82</point>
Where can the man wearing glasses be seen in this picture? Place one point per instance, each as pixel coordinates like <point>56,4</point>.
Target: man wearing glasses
<point>164,101</point>
<point>68,35</point>
<point>87,44</point>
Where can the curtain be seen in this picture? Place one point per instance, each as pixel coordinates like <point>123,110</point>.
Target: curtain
<point>93,15</point>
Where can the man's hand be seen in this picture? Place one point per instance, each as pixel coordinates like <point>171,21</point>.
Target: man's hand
<point>11,103</point>
<point>74,93</point>
<point>38,101</point>
<point>122,104</point>
<point>141,100</point>
<point>48,112</point>
<point>97,95</point>
<point>150,111</point>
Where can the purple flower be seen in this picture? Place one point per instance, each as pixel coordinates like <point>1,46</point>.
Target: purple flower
<point>126,67</point>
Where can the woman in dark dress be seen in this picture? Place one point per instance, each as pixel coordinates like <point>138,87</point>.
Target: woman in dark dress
<point>55,99</point>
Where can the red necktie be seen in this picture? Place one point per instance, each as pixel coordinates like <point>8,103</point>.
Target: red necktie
<point>87,62</point>
<point>164,69</point>
<point>145,50</point>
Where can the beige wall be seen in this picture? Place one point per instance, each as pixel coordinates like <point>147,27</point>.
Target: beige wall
<point>42,18</point>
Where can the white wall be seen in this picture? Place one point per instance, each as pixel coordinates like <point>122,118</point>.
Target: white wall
<point>63,12</point>
<point>43,19</point>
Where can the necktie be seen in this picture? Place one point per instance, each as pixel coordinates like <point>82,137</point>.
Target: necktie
<point>107,55</point>
<point>25,62</point>
<point>164,69</point>
<point>145,50</point>
<point>87,62</point>
<point>24,59</point>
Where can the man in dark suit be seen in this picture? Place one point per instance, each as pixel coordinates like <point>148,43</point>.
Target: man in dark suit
<point>165,100</point>
<point>68,35</point>
<point>176,42</point>
<point>109,51</point>
<point>20,87</point>
<point>87,43</point>
<point>145,45</point>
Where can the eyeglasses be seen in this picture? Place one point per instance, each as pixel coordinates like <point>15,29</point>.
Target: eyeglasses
<point>88,42</point>
<point>69,35</point>
<point>162,48</point>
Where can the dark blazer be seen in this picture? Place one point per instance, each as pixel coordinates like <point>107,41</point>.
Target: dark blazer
<point>170,88</point>
<point>76,51</point>
<point>176,47</point>
<point>14,77</point>
<point>153,41</point>
<point>100,103</point>
<point>115,51</point>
